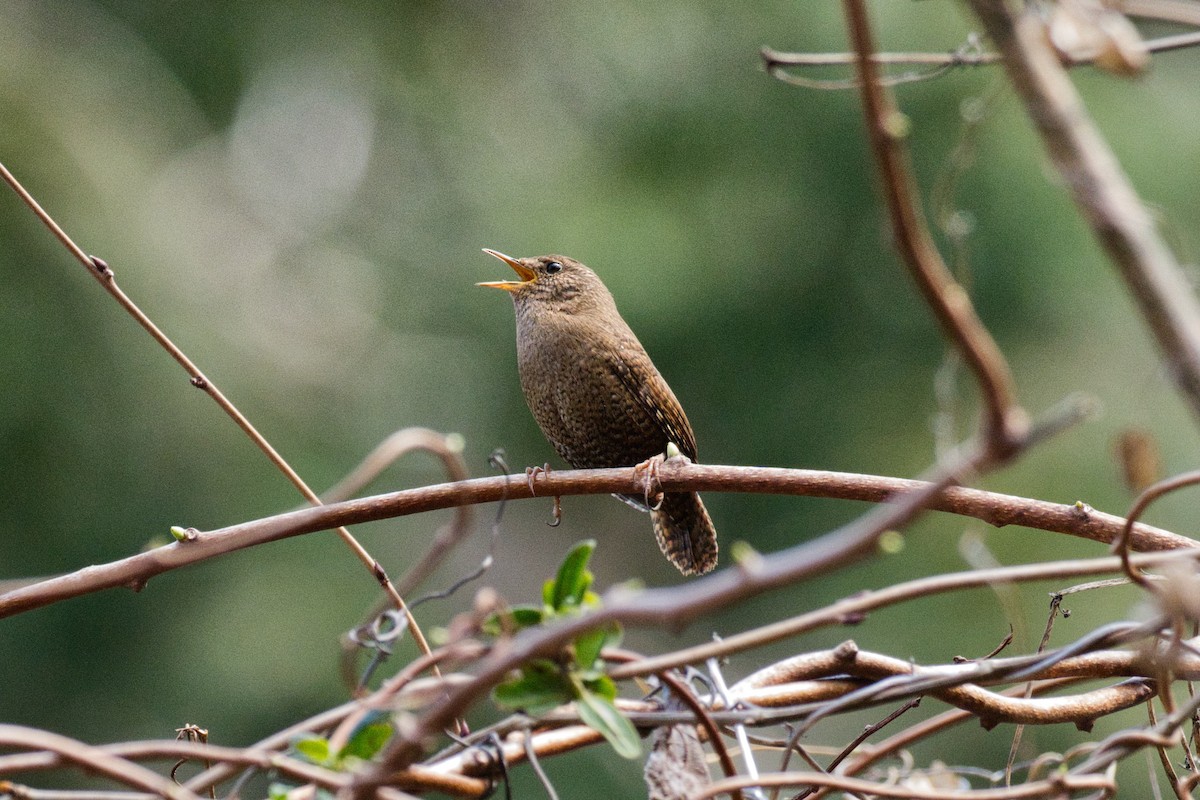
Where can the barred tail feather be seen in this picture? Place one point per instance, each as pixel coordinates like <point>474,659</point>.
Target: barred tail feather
<point>685,533</point>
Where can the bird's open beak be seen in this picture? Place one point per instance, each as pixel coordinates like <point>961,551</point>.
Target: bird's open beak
<point>523,272</point>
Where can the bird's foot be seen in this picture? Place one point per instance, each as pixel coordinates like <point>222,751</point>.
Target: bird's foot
<point>651,488</point>
<point>531,474</point>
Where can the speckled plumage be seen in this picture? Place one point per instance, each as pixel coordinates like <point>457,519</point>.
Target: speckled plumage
<point>597,396</point>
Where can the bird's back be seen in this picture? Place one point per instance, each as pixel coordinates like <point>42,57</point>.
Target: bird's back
<point>597,396</point>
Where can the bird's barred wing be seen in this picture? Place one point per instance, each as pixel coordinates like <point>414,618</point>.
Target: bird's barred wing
<point>638,374</point>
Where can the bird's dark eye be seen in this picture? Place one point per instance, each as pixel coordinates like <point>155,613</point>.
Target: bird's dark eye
<point>553,267</point>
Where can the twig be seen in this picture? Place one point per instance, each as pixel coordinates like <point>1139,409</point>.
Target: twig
<point>93,759</point>
<point>956,684</point>
<point>1143,501</point>
<point>926,728</point>
<point>448,449</point>
<point>933,64</point>
<point>1055,604</point>
<point>866,733</point>
<point>1004,422</point>
<point>100,270</point>
<point>854,609</point>
<point>685,694</point>
<point>739,730</point>
<point>531,757</point>
<point>1164,759</point>
<point>1122,744</point>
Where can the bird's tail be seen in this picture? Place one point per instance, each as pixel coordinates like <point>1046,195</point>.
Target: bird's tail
<point>685,533</point>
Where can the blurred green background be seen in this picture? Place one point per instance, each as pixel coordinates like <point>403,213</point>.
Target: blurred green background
<point>298,192</point>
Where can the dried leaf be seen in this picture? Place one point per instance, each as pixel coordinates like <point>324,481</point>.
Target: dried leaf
<point>1140,461</point>
<point>676,768</point>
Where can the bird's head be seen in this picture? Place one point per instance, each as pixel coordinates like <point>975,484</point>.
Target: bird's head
<point>553,282</point>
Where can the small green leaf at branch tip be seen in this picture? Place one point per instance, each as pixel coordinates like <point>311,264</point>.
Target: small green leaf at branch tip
<point>745,556</point>
<point>314,749</point>
<point>891,542</point>
<point>602,716</point>
<point>589,645</point>
<point>456,442</point>
<point>673,450</point>
<point>897,125</point>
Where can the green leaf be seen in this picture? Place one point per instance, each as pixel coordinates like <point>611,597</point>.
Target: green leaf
<point>602,715</point>
<point>539,688</point>
<point>278,791</point>
<point>602,686</point>
<point>314,749</point>
<point>367,741</point>
<point>573,579</point>
<point>589,645</point>
<point>515,619</point>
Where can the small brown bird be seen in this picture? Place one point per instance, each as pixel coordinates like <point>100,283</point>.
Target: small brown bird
<point>596,395</point>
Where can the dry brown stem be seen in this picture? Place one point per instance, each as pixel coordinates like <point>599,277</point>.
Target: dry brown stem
<point>1100,188</point>
<point>1005,422</point>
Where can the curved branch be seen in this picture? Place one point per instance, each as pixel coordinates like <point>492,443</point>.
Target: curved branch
<point>1004,422</point>
<point>676,474</point>
<point>1055,787</point>
<point>93,759</point>
<point>991,708</point>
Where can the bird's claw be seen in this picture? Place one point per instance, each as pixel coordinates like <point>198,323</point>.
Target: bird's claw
<point>531,474</point>
<point>651,487</point>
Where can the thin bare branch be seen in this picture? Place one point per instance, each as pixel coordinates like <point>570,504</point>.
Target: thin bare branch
<point>94,760</point>
<point>853,610</point>
<point>1143,501</point>
<point>969,55</point>
<point>100,270</point>
<point>1100,188</point>
<point>995,509</point>
<point>1004,421</point>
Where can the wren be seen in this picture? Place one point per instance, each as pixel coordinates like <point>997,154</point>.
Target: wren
<point>596,395</point>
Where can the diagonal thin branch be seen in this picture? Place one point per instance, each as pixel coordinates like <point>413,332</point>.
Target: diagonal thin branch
<point>1100,188</point>
<point>1004,422</point>
<point>100,270</point>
